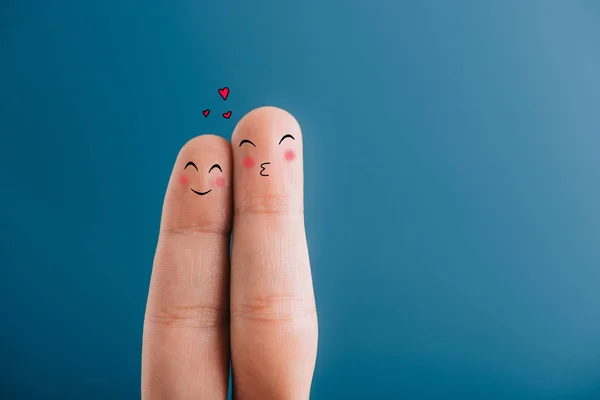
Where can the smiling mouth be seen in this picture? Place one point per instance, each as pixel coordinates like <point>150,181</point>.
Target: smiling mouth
<point>201,193</point>
<point>263,168</point>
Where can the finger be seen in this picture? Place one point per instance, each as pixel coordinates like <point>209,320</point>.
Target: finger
<point>273,314</point>
<point>186,338</point>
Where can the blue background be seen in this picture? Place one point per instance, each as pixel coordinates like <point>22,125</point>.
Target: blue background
<point>452,184</point>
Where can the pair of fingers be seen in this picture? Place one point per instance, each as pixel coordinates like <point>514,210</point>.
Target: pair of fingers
<point>255,309</point>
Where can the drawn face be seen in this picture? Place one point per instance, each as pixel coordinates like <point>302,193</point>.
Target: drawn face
<point>250,160</point>
<point>218,181</point>
<point>267,161</point>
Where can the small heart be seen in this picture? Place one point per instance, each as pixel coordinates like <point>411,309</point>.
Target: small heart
<point>224,93</point>
<point>227,115</point>
<point>205,113</point>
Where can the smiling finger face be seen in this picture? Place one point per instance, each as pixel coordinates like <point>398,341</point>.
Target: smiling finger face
<point>200,184</point>
<point>219,181</point>
<point>267,147</point>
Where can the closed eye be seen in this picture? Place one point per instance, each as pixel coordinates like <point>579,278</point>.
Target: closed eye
<point>286,136</point>
<point>215,166</point>
<point>246,141</point>
<point>192,164</point>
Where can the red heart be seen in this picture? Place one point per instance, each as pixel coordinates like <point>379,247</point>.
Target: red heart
<point>205,113</point>
<point>224,93</point>
<point>227,115</point>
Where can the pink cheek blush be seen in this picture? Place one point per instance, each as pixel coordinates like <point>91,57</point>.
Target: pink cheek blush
<point>248,162</point>
<point>183,180</point>
<point>220,182</point>
<point>290,155</point>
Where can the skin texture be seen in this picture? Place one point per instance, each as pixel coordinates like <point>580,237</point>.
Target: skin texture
<point>256,311</point>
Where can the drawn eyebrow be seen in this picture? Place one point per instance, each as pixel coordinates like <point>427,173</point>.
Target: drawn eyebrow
<point>192,164</point>
<point>286,136</point>
<point>215,166</point>
<point>246,141</point>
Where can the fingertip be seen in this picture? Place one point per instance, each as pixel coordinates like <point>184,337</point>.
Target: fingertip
<point>269,118</point>
<point>203,143</point>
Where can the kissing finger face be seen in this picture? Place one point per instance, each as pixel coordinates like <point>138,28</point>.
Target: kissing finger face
<point>267,147</point>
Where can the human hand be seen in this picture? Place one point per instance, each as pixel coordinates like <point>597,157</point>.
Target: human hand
<point>256,310</point>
